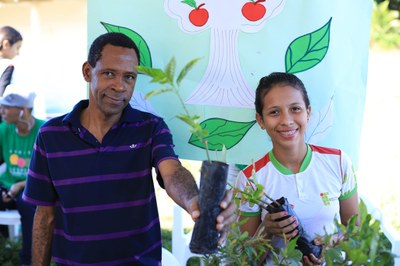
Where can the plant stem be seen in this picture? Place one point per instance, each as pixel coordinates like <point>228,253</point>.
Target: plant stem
<point>181,101</point>
<point>260,200</point>
<point>206,144</point>
<point>188,114</point>
<point>271,199</point>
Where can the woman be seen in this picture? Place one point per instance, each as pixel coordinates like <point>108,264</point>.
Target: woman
<point>318,181</point>
<point>10,43</point>
<point>17,135</point>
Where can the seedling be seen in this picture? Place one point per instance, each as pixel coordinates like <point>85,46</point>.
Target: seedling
<point>167,77</point>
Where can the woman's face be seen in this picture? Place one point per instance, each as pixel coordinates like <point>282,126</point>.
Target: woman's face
<point>11,51</point>
<point>284,116</point>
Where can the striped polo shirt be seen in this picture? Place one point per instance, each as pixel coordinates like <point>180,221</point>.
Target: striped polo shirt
<point>106,210</point>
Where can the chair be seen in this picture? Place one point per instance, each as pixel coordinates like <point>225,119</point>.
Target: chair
<point>13,220</point>
<point>168,259</point>
<point>180,239</point>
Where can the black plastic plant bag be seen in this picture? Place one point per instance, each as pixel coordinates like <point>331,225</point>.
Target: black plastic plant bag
<point>213,181</point>
<point>304,242</point>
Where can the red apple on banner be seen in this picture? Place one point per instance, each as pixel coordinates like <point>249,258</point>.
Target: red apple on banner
<point>198,16</point>
<point>254,11</point>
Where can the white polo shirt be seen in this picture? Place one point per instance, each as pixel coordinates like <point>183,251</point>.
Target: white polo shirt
<point>326,176</point>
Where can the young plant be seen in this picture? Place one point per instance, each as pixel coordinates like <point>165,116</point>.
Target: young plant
<point>242,249</point>
<point>358,245</point>
<point>213,173</point>
<point>364,244</point>
<point>167,78</point>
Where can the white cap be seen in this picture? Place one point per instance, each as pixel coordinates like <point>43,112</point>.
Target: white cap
<point>17,96</point>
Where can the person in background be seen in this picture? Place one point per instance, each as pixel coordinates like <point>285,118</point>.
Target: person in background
<point>91,171</point>
<point>320,182</point>
<point>18,132</point>
<point>10,44</point>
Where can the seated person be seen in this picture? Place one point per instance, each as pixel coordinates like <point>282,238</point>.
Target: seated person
<point>17,135</point>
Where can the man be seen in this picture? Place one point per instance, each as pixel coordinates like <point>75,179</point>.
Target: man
<point>90,172</point>
<point>18,132</point>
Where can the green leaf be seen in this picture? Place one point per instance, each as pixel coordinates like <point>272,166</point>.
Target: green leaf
<point>190,120</point>
<point>170,70</point>
<point>292,245</point>
<point>145,55</point>
<point>186,69</point>
<point>308,50</point>
<point>358,257</point>
<point>222,132</point>
<point>362,210</point>
<point>334,254</point>
<point>243,236</point>
<point>157,92</point>
<point>157,75</point>
<point>191,3</point>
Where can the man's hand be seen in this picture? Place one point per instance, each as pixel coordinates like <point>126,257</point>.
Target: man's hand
<point>227,216</point>
<point>224,219</point>
<point>193,208</point>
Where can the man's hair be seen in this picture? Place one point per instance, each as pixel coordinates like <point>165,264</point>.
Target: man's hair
<point>278,78</point>
<point>10,34</point>
<point>112,38</point>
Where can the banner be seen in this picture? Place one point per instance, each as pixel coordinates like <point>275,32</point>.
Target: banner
<point>325,43</point>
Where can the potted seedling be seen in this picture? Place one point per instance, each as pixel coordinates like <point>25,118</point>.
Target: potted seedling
<point>364,244</point>
<point>213,178</point>
<point>254,194</point>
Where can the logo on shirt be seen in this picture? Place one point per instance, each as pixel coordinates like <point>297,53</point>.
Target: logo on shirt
<point>133,146</point>
<point>325,198</point>
<point>19,161</point>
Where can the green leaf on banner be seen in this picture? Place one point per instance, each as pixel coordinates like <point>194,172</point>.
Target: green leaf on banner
<point>308,50</point>
<point>222,132</point>
<point>145,56</point>
<point>191,3</point>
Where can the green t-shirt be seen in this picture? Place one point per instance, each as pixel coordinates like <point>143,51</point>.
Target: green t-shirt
<point>16,152</point>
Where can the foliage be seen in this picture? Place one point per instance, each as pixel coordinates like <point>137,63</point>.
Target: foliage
<point>166,236</point>
<point>239,249</point>
<point>170,83</point>
<point>362,244</point>
<point>9,252</point>
<point>385,27</point>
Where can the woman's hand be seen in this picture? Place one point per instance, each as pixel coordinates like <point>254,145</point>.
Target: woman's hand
<point>311,260</point>
<point>279,228</point>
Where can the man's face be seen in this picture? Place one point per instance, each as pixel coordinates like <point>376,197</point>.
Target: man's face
<point>10,114</point>
<point>112,80</point>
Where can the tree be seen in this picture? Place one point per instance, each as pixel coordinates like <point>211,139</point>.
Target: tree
<point>223,83</point>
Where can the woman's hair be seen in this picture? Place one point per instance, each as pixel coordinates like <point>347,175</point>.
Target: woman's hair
<point>10,34</point>
<point>278,78</point>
